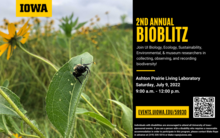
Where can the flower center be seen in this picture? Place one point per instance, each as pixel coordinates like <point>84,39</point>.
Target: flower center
<point>14,40</point>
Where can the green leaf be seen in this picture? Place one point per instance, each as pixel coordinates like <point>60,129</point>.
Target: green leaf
<point>5,127</point>
<point>100,119</point>
<point>62,27</point>
<point>80,25</point>
<point>13,126</point>
<point>68,30</point>
<point>97,117</point>
<point>5,107</point>
<point>71,16</point>
<point>126,118</point>
<point>34,123</point>
<point>64,94</point>
<point>75,22</point>
<point>81,110</point>
<point>2,127</point>
<point>62,42</point>
<point>86,96</point>
<point>82,132</point>
<point>6,83</point>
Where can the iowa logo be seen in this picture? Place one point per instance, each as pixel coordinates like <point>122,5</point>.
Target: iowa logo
<point>33,8</point>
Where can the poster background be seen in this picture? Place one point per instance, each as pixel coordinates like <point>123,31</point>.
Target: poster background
<point>202,31</point>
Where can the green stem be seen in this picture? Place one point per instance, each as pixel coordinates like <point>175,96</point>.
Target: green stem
<point>21,114</point>
<point>41,58</point>
<point>70,48</point>
<point>33,136</point>
<point>119,133</point>
<point>91,106</point>
<point>75,127</point>
<point>4,122</point>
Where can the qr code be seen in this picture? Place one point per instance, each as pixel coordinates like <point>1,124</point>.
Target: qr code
<point>203,107</point>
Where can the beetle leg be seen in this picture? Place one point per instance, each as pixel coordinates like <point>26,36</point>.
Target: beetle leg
<point>88,69</point>
<point>76,76</point>
<point>78,80</point>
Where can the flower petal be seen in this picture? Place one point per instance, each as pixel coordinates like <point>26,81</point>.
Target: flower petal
<point>25,31</point>
<point>11,29</point>
<point>5,35</point>
<point>25,37</point>
<point>9,52</point>
<point>16,135</point>
<point>5,40</point>
<point>3,48</point>
<point>23,28</point>
<point>20,31</point>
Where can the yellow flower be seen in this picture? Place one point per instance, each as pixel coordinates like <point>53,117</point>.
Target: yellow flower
<point>94,42</point>
<point>37,21</point>
<point>45,27</point>
<point>86,32</point>
<point>51,22</point>
<point>5,20</point>
<point>5,27</point>
<point>6,23</point>
<point>82,29</point>
<point>16,24</point>
<point>16,135</point>
<point>13,38</point>
<point>87,28</point>
<point>94,36</point>
<point>22,21</point>
<point>97,47</point>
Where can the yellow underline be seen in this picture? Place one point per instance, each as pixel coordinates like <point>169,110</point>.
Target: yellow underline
<point>145,70</point>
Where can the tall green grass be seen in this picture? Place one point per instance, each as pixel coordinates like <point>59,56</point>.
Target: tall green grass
<point>110,78</point>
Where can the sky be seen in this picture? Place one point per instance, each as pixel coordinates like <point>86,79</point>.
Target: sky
<point>84,9</point>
